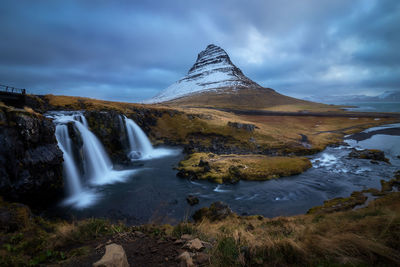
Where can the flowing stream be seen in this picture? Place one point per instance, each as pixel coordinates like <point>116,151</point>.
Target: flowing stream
<point>149,191</point>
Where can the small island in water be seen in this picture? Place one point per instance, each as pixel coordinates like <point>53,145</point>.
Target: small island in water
<point>214,170</point>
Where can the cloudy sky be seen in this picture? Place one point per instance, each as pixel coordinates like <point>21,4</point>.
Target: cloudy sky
<point>127,50</point>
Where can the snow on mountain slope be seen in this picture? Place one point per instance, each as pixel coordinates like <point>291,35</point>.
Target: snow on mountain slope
<point>213,69</point>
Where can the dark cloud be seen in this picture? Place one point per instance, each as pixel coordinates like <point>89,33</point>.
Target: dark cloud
<point>130,50</point>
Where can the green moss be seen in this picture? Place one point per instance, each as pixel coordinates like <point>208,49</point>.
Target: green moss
<point>339,204</point>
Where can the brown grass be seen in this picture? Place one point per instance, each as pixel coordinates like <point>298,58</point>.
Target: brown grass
<point>367,237</point>
<point>222,168</point>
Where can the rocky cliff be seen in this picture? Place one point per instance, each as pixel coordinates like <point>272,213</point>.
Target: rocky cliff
<point>30,160</point>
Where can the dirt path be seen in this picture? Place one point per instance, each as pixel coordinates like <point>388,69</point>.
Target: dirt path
<point>141,250</point>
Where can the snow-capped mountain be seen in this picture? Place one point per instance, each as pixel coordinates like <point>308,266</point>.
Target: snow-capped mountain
<point>212,71</point>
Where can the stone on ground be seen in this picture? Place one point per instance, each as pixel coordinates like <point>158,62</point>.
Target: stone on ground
<point>113,257</point>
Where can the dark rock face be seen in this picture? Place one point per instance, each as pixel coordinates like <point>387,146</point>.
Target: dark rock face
<point>109,127</point>
<point>217,211</point>
<point>30,160</point>
<point>372,154</point>
<point>244,126</point>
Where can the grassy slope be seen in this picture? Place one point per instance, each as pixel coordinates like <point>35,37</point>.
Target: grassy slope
<point>259,98</point>
<point>280,134</point>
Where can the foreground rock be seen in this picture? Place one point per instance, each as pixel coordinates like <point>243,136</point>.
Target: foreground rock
<point>30,160</point>
<point>372,154</point>
<point>114,257</point>
<point>185,259</point>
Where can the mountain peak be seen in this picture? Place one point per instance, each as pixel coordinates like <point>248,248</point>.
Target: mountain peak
<point>213,70</point>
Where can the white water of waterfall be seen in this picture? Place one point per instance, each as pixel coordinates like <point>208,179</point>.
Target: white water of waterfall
<point>70,171</point>
<point>139,143</point>
<point>98,169</point>
<point>97,162</point>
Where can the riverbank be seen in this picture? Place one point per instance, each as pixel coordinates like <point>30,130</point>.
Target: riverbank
<point>368,236</point>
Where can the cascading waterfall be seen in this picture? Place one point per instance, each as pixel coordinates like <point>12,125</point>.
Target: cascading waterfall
<point>98,169</point>
<point>70,171</point>
<point>96,159</point>
<point>140,146</point>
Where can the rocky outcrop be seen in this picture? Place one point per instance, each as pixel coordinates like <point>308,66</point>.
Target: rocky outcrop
<point>30,160</point>
<point>109,127</point>
<point>372,154</point>
<point>244,126</point>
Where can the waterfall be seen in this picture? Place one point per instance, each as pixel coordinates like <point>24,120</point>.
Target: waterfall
<point>140,146</point>
<point>97,166</point>
<point>70,171</point>
<point>97,161</point>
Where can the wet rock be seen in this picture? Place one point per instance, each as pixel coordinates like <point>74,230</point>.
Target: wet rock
<point>372,154</point>
<point>192,200</point>
<point>194,245</point>
<point>205,165</point>
<point>30,159</point>
<point>244,126</point>
<point>217,211</point>
<point>114,257</point>
<point>186,259</point>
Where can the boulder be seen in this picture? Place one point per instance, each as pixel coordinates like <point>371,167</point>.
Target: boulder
<point>192,200</point>
<point>194,245</point>
<point>113,257</point>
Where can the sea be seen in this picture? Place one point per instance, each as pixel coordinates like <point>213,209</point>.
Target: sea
<point>372,106</point>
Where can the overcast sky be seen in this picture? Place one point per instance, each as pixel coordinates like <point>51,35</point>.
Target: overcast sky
<point>126,50</point>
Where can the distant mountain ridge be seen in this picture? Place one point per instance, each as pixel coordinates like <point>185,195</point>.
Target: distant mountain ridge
<point>388,96</point>
<point>213,69</point>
